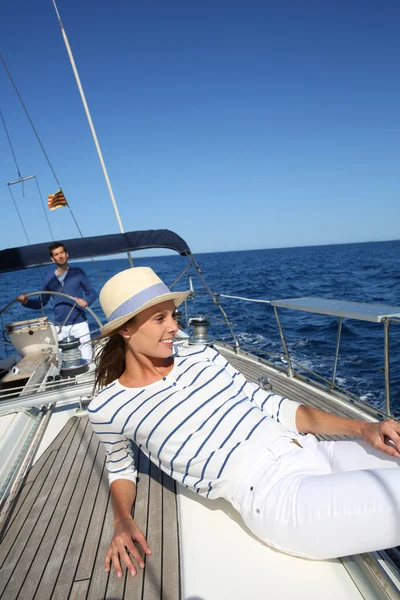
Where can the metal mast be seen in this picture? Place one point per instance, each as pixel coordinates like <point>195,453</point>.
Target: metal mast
<point>89,118</point>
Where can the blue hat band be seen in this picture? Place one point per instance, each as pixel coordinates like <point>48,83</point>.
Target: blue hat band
<point>138,300</point>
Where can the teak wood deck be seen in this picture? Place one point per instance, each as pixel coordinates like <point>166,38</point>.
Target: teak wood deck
<point>54,542</point>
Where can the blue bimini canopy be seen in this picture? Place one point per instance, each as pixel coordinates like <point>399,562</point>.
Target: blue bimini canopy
<point>13,259</point>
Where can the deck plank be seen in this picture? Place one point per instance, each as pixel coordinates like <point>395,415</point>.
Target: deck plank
<point>34,476</point>
<point>19,500</point>
<point>19,545</point>
<point>45,566</point>
<point>93,532</point>
<point>115,587</point>
<point>76,545</point>
<point>134,585</point>
<point>63,531</point>
<point>170,550</point>
<point>55,445</point>
<point>36,555</point>
<point>99,577</point>
<point>152,578</point>
<point>79,590</point>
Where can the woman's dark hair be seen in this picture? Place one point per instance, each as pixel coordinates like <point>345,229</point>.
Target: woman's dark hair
<point>110,359</point>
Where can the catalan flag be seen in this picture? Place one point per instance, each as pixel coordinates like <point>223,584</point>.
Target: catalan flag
<point>56,200</point>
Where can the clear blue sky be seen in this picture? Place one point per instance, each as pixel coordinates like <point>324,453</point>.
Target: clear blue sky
<point>239,125</point>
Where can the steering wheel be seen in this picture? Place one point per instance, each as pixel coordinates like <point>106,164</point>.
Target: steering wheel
<point>75,303</point>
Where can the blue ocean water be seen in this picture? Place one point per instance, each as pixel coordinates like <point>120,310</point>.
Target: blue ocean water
<point>365,272</point>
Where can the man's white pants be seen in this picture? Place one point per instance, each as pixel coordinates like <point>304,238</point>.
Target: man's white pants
<point>80,331</point>
<point>322,499</point>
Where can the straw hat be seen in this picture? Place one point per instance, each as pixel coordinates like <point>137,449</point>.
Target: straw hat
<point>132,291</point>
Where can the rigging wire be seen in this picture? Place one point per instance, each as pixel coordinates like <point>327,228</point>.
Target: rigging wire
<point>37,137</point>
<point>19,215</point>
<point>22,180</point>
<point>11,146</point>
<point>23,190</point>
<point>48,162</point>
<point>29,119</point>
<point>44,208</point>
<point>23,227</point>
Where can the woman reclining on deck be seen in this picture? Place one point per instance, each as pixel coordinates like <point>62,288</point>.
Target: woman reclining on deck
<point>204,424</point>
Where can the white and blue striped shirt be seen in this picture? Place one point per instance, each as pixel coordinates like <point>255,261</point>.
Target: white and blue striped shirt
<point>204,424</point>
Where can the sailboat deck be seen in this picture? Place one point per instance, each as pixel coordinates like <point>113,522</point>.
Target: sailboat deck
<point>56,537</point>
<point>57,533</point>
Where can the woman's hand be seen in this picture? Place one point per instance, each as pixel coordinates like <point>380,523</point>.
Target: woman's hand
<point>383,436</point>
<point>125,533</point>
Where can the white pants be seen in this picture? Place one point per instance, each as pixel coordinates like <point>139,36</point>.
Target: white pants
<point>324,499</point>
<point>80,331</point>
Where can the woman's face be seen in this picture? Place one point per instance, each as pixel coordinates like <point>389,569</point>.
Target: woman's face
<point>153,330</point>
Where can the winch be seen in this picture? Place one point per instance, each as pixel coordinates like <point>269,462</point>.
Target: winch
<point>200,331</point>
<point>72,361</point>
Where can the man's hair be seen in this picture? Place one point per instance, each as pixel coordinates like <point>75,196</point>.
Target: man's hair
<point>55,245</point>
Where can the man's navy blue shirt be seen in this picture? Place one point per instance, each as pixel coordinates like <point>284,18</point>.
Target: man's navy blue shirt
<point>75,283</point>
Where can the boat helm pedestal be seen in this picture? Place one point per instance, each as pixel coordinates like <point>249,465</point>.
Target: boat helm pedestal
<point>32,336</point>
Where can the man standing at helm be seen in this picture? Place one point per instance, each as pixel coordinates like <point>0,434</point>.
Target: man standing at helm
<point>74,282</point>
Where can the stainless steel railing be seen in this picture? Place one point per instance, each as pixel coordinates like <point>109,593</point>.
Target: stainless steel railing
<point>331,383</point>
